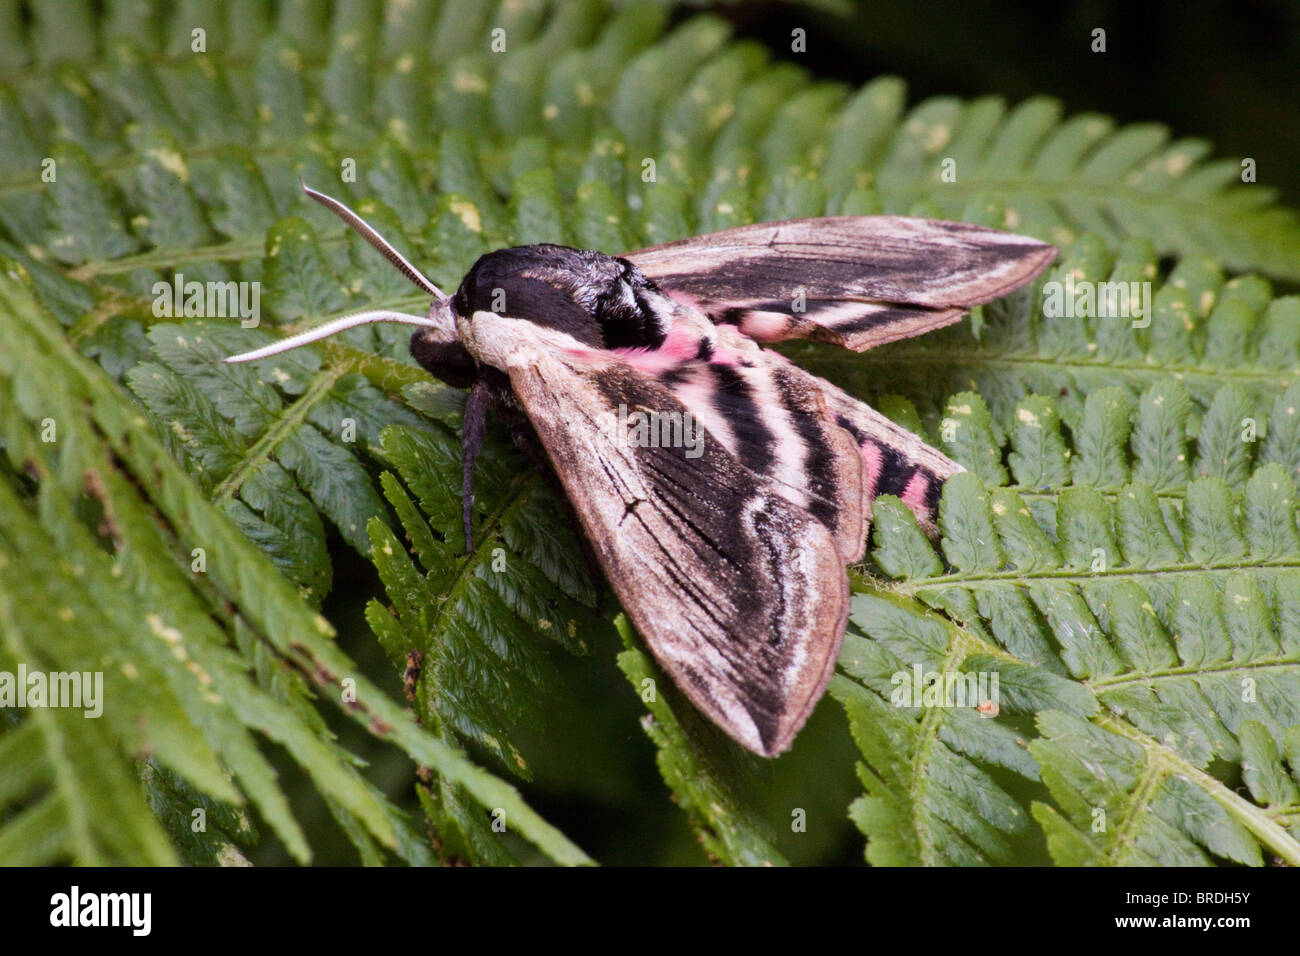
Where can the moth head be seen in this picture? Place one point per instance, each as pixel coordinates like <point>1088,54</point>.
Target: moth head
<point>434,344</point>
<point>601,301</point>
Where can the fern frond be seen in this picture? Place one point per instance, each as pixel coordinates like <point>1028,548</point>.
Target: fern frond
<point>1161,605</point>
<point>699,766</point>
<point>115,587</point>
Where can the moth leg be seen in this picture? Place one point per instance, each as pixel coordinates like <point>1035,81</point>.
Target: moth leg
<point>471,442</point>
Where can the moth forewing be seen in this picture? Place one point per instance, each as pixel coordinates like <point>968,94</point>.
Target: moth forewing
<point>856,281</point>
<point>740,595</point>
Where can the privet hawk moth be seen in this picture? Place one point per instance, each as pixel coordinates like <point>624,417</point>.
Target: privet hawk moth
<point>727,535</point>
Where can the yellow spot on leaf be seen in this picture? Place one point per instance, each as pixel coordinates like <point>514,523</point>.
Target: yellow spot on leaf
<point>171,161</point>
<point>468,214</point>
<point>463,81</point>
<point>938,138</point>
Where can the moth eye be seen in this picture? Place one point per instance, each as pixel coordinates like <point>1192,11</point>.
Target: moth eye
<point>447,361</point>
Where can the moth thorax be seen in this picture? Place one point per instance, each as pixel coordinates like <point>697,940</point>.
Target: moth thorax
<point>598,300</point>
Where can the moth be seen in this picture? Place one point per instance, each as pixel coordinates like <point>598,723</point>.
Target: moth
<point>727,546</point>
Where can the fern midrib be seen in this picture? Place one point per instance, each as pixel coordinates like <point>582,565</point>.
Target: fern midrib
<point>466,564</point>
<point>1137,807</point>
<point>1255,819</point>
<point>1105,194</point>
<point>1279,378</point>
<point>1053,493</point>
<point>235,250</point>
<point>111,302</point>
<point>1144,678</point>
<point>99,68</point>
<point>961,647</point>
<point>289,420</point>
<point>915,589</point>
<point>125,163</point>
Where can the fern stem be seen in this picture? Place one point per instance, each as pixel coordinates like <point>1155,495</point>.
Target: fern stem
<point>291,419</point>
<point>1230,667</point>
<point>1255,819</point>
<point>917,589</point>
<point>1279,378</point>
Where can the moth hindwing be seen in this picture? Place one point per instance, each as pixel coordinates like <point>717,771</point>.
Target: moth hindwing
<point>723,489</point>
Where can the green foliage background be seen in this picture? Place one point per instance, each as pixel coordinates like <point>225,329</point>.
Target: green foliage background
<point>340,681</point>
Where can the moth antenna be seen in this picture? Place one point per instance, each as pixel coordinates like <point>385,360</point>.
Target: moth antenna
<point>331,328</point>
<point>368,233</point>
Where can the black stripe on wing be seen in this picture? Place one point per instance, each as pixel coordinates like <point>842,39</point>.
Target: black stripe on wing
<point>773,418</point>
<point>733,398</point>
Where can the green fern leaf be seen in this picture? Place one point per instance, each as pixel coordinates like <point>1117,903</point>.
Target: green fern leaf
<point>1173,608</point>
<point>699,765</point>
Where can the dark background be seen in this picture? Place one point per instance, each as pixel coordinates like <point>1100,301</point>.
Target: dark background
<point>1225,71</point>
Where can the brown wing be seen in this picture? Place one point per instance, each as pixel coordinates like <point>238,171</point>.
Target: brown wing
<point>856,281</point>
<point>740,594</point>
